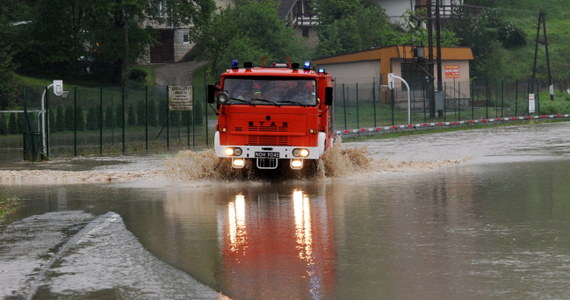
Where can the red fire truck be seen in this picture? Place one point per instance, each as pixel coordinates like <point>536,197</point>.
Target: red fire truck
<point>271,115</point>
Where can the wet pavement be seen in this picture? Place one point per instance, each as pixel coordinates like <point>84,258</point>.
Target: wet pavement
<point>481,214</point>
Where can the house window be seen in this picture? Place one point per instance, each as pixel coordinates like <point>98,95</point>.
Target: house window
<point>186,38</point>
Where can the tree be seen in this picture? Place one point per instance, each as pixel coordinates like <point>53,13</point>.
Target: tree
<point>352,25</point>
<point>489,34</point>
<point>64,36</point>
<point>10,12</point>
<point>248,31</point>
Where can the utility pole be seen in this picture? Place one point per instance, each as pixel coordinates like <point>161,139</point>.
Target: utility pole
<point>439,57</point>
<point>125,68</point>
<point>542,21</point>
<point>431,92</point>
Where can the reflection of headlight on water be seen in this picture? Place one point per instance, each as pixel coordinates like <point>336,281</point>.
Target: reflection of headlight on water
<point>236,220</point>
<point>303,229</point>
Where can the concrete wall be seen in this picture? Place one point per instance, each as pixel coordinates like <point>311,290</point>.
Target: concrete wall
<point>181,47</point>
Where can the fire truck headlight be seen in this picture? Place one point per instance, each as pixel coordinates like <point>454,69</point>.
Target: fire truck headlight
<point>238,163</point>
<point>300,152</point>
<point>231,151</point>
<point>223,97</point>
<point>296,164</point>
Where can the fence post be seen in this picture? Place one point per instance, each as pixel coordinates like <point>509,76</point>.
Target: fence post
<point>75,121</point>
<point>502,98</point>
<point>357,109</point>
<point>146,117</point>
<point>393,105</point>
<point>487,99</point>
<point>516,96</point>
<point>167,120</point>
<point>123,119</point>
<point>193,123</point>
<point>538,98</point>
<point>374,99</point>
<point>444,102</point>
<point>344,105</point>
<point>206,113</point>
<point>47,112</point>
<point>459,101</point>
<point>101,121</point>
<point>472,94</point>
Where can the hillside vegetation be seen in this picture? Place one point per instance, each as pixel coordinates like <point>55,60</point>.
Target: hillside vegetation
<point>517,62</point>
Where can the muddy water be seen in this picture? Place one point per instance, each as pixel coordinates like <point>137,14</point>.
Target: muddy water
<point>474,214</point>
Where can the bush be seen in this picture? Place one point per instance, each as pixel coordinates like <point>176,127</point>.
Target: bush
<point>137,77</point>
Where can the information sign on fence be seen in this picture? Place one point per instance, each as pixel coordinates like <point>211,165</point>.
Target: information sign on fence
<point>531,104</point>
<point>179,98</point>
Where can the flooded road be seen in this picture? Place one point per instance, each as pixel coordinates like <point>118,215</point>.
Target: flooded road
<point>471,214</point>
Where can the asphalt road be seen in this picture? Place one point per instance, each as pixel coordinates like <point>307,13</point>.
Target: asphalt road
<point>176,73</point>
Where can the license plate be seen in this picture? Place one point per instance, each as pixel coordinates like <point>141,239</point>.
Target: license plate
<point>267,154</point>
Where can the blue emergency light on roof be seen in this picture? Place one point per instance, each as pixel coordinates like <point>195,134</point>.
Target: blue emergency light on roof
<point>321,70</point>
<point>307,65</point>
<point>235,64</point>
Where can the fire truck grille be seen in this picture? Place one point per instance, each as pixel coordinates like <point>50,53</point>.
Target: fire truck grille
<point>268,128</point>
<point>261,140</point>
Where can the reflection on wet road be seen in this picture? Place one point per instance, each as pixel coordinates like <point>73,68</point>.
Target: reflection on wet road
<point>493,226</point>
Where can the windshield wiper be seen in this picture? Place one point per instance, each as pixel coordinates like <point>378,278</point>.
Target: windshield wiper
<point>241,100</point>
<point>265,100</point>
<point>293,102</point>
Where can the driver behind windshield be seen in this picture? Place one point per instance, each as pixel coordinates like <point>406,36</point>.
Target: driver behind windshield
<point>286,92</point>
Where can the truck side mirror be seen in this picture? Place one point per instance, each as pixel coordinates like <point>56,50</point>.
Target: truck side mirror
<point>211,93</point>
<point>328,95</point>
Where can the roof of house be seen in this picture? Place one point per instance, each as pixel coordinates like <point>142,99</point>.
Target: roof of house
<point>285,7</point>
<point>397,51</point>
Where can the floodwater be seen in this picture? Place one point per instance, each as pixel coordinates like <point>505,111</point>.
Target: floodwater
<point>479,214</point>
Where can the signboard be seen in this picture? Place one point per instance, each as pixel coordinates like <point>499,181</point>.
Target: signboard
<point>179,98</point>
<point>452,71</point>
<point>531,104</point>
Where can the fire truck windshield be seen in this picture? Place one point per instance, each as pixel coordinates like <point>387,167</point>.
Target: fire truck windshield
<point>271,91</point>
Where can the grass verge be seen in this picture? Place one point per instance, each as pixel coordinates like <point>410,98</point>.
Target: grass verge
<point>7,204</point>
<point>402,133</point>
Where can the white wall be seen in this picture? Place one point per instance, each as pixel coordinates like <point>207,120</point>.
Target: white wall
<point>354,72</point>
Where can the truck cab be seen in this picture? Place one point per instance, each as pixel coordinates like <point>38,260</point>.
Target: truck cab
<point>272,115</point>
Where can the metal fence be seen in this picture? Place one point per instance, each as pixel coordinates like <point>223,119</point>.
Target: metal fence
<point>360,105</point>
<point>106,121</point>
<point>122,121</point>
